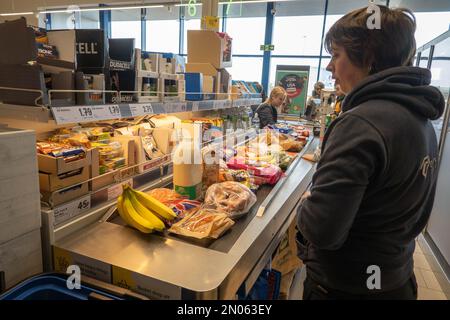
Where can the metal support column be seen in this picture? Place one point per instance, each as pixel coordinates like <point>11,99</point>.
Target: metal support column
<point>323,38</point>
<point>224,18</point>
<point>267,40</point>
<point>105,21</point>
<point>48,21</point>
<point>143,29</point>
<point>181,33</point>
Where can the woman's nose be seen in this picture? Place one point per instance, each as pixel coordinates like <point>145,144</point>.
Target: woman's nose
<point>329,67</point>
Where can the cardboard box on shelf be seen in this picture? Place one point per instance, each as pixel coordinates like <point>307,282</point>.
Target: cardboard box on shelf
<point>62,81</point>
<point>129,152</point>
<point>90,82</point>
<point>84,47</point>
<point>208,88</point>
<point>49,164</point>
<point>194,86</point>
<point>165,139</point>
<point>53,182</point>
<point>122,76</point>
<point>205,46</point>
<point>207,69</point>
<point>59,197</point>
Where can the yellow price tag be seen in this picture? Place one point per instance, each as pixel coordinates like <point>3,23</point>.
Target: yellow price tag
<point>210,23</point>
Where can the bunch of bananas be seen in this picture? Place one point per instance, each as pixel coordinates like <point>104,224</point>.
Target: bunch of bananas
<point>143,212</point>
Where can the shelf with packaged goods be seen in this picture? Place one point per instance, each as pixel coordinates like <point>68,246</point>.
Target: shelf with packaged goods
<point>231,263</point>
<point>90,113</point>
<point>65,218</point>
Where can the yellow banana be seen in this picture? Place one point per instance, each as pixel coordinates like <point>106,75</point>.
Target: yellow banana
<point>135,219</point>
<point>122,213</point>
<point>154,205</point>
<point>145,213</point>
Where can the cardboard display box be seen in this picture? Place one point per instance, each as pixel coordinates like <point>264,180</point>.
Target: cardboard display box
<point>129,152</point>
<point>205,46</point>
<point>59,197</point>
<point>53,182</point>
<point>194,86</point>
<point>90,82</point>
<point>49,164</point>
<point>84,47</point>
<point>122,73</point>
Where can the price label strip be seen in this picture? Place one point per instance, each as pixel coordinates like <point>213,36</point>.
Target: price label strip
<point>78,114</point>
<point>141,109</point>
<point>125,111</point>
<point>71,209</point>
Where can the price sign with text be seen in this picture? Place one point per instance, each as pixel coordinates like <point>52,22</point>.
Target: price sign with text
<point>72,209</point>
<point>77,114</point>
<point>141,109</point>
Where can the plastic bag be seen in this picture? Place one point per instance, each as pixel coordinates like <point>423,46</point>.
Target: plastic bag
<point>230,197</point>
<point>203,223</point>
<point>266,287</point>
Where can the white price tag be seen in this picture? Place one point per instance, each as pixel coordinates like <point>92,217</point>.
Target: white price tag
<point>177,107</point>
<point>71,209</point>
<point>141,109</point>
<point>221,104</point>
<point>106,112</point>
<point>115,191</point>
<point>64,115</point>
<point>76,114</point>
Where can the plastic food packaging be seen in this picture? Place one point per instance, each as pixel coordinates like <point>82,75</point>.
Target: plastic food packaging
<point>268,174</point>
<point>292,145</point>
<point>230,197</point>
<point>179,204</point>
<point>203,223</point>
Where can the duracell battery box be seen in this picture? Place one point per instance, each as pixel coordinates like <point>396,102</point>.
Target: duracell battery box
<point>84,47</point>
<point>122,76</point>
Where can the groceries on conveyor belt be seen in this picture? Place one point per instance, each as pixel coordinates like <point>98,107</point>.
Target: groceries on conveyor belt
<point>142,211</point>
<point>262,160</point>
<point>230,197</point>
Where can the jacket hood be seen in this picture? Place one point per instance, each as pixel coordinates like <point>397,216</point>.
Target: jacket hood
<point>408,86</point>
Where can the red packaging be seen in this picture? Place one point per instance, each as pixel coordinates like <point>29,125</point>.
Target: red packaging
<point>269,174</point>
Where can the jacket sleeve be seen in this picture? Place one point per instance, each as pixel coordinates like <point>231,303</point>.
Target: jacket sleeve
<point>265,115</point>
<point>354,154</point>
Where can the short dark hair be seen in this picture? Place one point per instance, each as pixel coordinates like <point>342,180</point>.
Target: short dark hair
<point>392,45</point>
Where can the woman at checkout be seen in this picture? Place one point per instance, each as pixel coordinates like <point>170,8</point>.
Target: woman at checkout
<point>267,111</point>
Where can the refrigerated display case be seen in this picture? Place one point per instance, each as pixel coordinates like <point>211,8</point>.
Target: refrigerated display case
<point>435,55</point>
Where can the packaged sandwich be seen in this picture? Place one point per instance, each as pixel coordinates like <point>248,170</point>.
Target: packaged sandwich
<point>230,197</point>
<point>203,223</point>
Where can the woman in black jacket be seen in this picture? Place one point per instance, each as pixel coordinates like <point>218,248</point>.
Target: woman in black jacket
<point>267,111</point>
<point>374,186</point>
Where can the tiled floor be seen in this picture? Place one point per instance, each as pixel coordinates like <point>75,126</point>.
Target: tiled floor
<point>432,283</point>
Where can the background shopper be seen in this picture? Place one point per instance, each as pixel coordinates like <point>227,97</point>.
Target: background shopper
<point>374,186</point>
<point>314,101</point>
<point>267,111</point>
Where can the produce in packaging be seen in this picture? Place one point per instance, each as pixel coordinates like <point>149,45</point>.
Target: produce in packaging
<point>231,197</point>
<point>203,223</point>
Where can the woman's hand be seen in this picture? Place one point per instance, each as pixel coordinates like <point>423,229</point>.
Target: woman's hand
<point>305,196</point>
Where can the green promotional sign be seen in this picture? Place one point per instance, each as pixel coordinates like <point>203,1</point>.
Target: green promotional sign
<point>294,79</point>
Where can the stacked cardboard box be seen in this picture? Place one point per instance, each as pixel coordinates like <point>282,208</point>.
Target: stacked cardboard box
<point>209,53</point>
<point>20,218</point>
